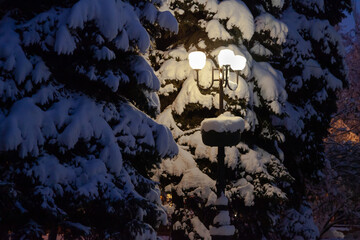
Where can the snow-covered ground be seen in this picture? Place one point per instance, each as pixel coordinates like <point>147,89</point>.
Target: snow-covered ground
<point>343,232</point>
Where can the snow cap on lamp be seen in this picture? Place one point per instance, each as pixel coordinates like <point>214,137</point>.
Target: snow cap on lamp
<point>225,57</point>
<point>238,63</point>
<point>197,60</point>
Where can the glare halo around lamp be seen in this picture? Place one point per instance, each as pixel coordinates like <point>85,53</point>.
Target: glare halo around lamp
<point>197,60</point>
<point>226,57</point>
<point>238,63</point>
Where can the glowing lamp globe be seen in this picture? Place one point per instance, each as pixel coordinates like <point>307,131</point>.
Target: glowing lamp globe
<point>238,63</point>
<point>197,60</point>
<point>226,57</point>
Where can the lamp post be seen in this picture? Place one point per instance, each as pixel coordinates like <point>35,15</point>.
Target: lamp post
<point>227,61</point>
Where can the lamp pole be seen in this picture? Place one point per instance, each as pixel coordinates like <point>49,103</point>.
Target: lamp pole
<point>222,229</point>
<point>220,184</point>
<point>220,180</point>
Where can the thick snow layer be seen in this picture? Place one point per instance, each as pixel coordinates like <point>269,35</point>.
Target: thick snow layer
<point>178,165</point>
<point>174,70</point>
<point>272,85</point>
<point>144,73</point>
<point>104,53</point>
<point>222,201</point>
<point>40,72</point>
<point>241,91</point>
<point>164,18</point>
<point>125,25</point>
<point>179,53</point>
<point>278,30</point>
<point>44,95</point>
<point>10,50</point>
<point>332,82</point>
<point>236,14</point>
<point>168,21</point>
<point>246,191</point>
<point>190,93</point>
<point>200,229</point>
<point>232,157</point>
<point>334,233</point>
<point>140,129</point>
<point>150,12</point>
<point>111,80</point>
<point>27,126</point>
<point>296,23</point>
<point>223,123</point>
<point>215,30</point>
<point>277,3</point>
<point>64,43</point>
<point>322,30</point>
<point>122,41</point>
<point>103,12</point>
<point>300,224</point>
<point>223,218</point>
<point>193,178</point>
<point>255,161</point>
<point>201,150</point>
<point>167,89</point>
<point>260,50</point>
<point>293,121</point>
<point>167,119</point>
<point>228,230</point>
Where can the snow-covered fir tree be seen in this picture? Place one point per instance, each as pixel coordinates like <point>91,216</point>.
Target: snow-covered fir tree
<point>256,177</point>
<point>77,141</point>
<point>286,95</point>
<point>313,65</point>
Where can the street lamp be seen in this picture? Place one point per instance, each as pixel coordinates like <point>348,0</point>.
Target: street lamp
<point>227,61</point>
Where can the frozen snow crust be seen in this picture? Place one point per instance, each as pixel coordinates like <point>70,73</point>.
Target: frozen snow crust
<point>76,95</point>
<point>223,123</point>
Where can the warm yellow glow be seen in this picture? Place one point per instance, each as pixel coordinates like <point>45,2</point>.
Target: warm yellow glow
<point>197,60</point>
<point>239,63</point>
<point>225,57</point>
<point>169,199</point>
<point>342,132</point>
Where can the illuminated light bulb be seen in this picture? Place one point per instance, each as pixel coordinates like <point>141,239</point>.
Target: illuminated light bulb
<point>197,60</point>
<point>239,63</point>
<point>225,57</point>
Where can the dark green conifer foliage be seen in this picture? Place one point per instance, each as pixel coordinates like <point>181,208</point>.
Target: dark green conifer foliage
<point>77,141</point>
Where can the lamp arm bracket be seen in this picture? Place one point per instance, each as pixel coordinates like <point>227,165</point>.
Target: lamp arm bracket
<point>198,82</point>
<point>237,82</point>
